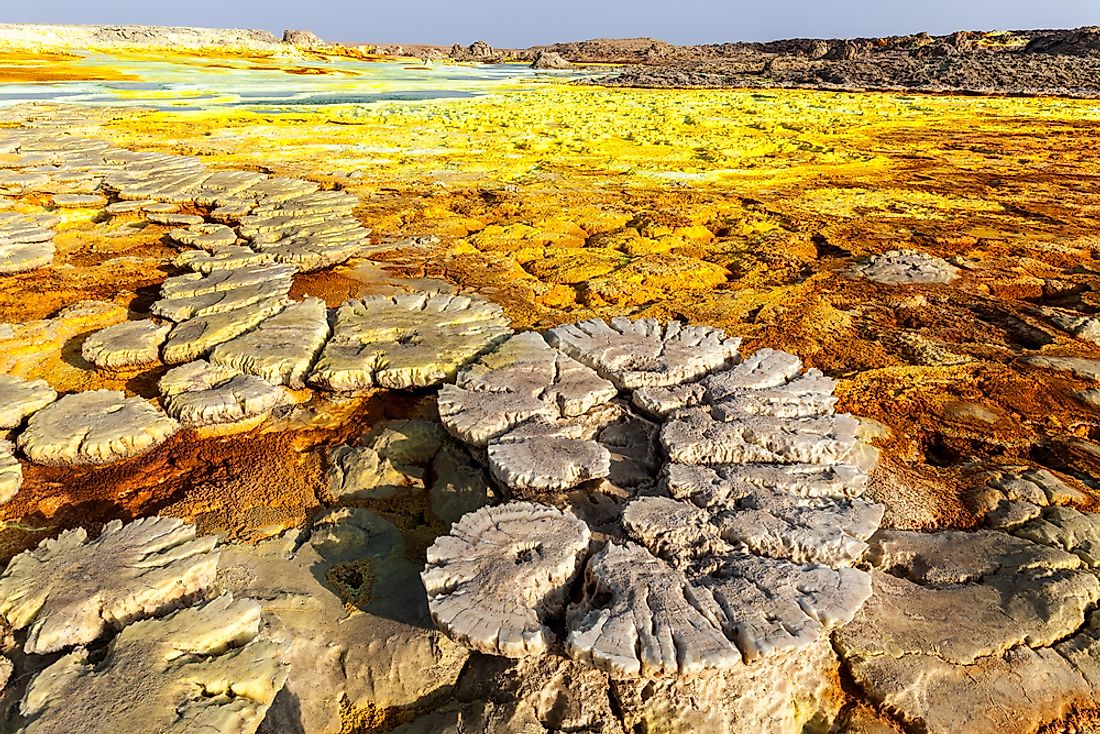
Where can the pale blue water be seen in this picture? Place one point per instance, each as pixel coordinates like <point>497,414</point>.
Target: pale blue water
<point>176,86</point>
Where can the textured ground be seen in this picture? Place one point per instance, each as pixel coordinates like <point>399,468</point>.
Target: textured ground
<point>751,211</point>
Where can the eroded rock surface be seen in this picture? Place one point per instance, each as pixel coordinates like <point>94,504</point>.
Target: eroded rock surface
<point>71,590</point>
<point>199,669</point>
<point>94,427</point>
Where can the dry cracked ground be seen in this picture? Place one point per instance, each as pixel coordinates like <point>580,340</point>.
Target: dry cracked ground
<point>562,409</point>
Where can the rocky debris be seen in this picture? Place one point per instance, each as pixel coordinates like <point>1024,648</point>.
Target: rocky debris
<point>550,60</point>
<point>643,353</point>
<point>200,669</point>
<point>26,241</point>
<point>11,474</point>
<point>353,610</point>
<point>230,257</point>
<point>522,379</point>
<point>1077,42</point>
<point>961,625</point>
<point>21,398</point>
<point>129,345</point>
<point>1077,324</point>
<point>281,349</point>
<point>193,338</point>
<point>905,267</point>
<point>408,340</point>
<point>391,462</point>
<point>203,394</point>
<point>501,573</point>
<point>70,590</point>
<point>94,427</point>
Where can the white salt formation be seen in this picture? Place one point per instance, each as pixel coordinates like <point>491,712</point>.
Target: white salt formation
<point>26,241</point>
<point>70,591</point>
<point>203,669</point>
<point>408,340</point>
<point>903,267</point>
<point>202,394</point>
<point>21,398</point>
<point>11,472</point>
<point>501,572</point>
<point>95,427</point>
<point>129,345</point>
<point>283,348</point>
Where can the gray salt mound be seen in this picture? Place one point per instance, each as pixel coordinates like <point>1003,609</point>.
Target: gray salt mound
<point>21,398</point>
<point>131,344</point>
<point>202,394</point>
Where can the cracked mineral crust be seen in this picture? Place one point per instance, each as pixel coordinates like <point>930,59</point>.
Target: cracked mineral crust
<point>282,349</point>
<point>199,669</point>
<point>903,267</point>
<point>94,427</point>
<point>501,572</point>
<point>71,590</point>
<point>408,340</point>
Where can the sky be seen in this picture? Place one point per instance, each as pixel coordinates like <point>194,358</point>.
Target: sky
<point>522,23</point>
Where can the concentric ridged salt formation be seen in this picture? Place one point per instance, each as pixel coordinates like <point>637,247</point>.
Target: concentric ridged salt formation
<point>204,668</point>
<point>501,572</point>
<point>187,296</point>
<point>129,345</point>
<point>70,591</point>
<point>408,340</point>
<point>281,349</point>
<point>94,427</point>
<point>203,394</point>
<point>742,547</point>
<point>21,398</point>
<point>205,236</point>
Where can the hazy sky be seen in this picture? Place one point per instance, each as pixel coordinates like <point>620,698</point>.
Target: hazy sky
<point>527,22</point>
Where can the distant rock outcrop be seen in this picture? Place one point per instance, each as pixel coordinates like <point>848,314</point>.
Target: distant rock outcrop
<point>1077,42</point>
<point>305,39</point>
<point>476,51</point>
<point>550,60</point>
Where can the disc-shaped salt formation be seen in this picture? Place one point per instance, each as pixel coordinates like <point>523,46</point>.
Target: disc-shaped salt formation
<point>129,345</point>
<point>195,337</point>
<point>26,242</point>
<point>11,473</point>
<point>199,669</point>
<point>202,394</point>
<point>209,237</point>
<point>545,456</point>
<point>94,427</point>
<point>281,349</point>
<point>70,590</point>
<point>643,353</point>
<point>501,572</point>
<point>20,398</point>
<point>231,257</point>
<point>191,295</point>
<point>408,340</point>
<point>522,379</point>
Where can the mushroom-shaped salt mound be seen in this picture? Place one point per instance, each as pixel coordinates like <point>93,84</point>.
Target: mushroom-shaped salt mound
<point>501,573</point>
<point>282,349</point>
<point>69,590</point>
<point>191,295</point>
<point>199,669</point>
<point>11,473</point>
<point>225,258</point>
<point>94,427</point>
<point>202,394</point>
<point>20,398</point>
<point>129,345</point>
<point>643,353</point>
<point>903,267</point>
<point>408,340</point>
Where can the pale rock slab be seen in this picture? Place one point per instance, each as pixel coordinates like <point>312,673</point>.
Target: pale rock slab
<point>354,612</point>
<point>501,572</point>
<point>21,398</point>
<point>408,340</point>
<point>94,427</point>
<point>11,474</point>
<point>192,295</point>
<point>643,353</point>
<point>282,349</point>
<point>199,669</point>
<point>202,394</point>
<point>905,267</point>
<point>191,285</point>
<point>129,345</point>
<point>196,337</point>
<point>522,379</point>
<point>70,591</point>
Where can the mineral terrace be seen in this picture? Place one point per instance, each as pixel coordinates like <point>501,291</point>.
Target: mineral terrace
<point>408,398</point>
